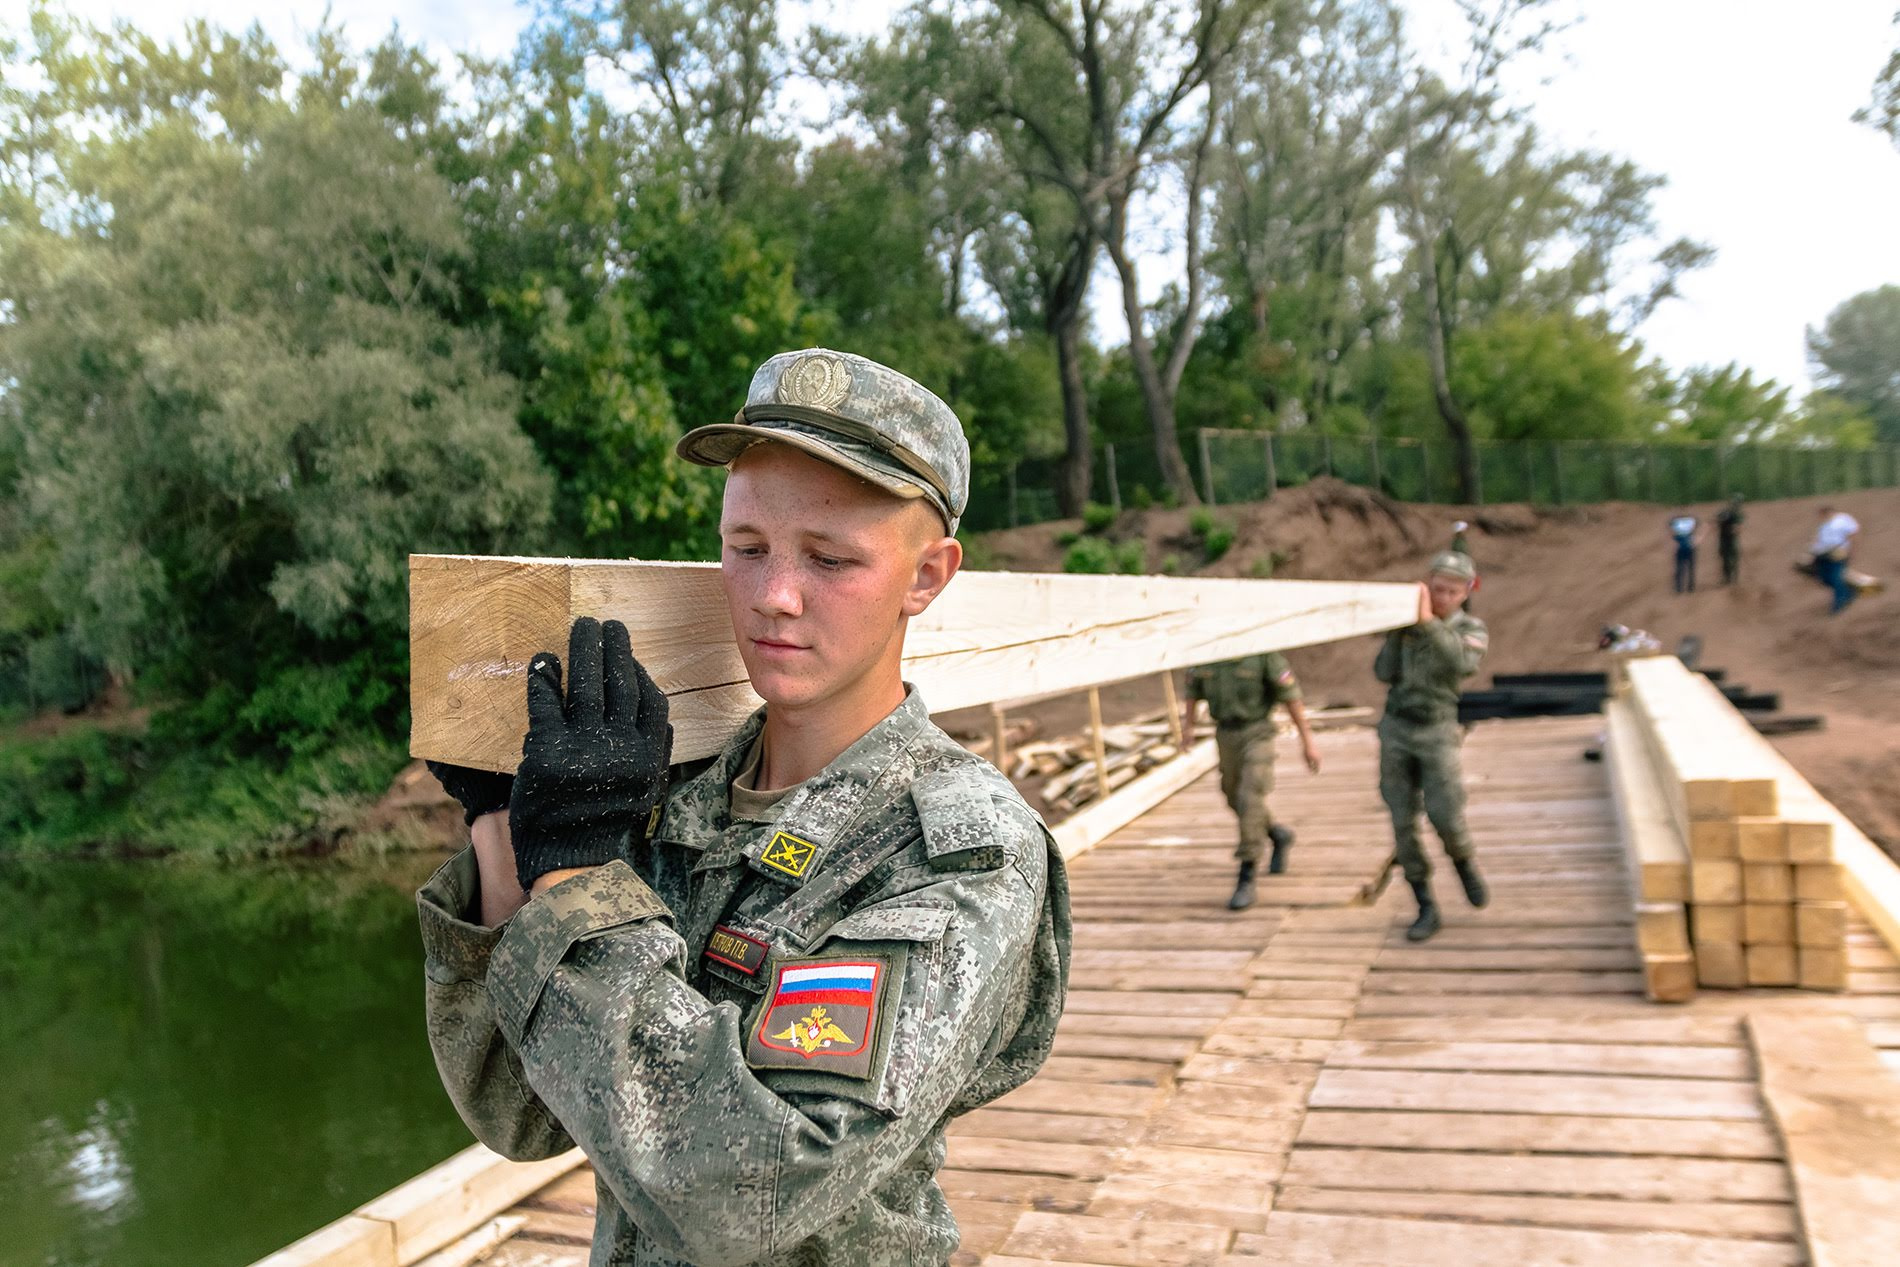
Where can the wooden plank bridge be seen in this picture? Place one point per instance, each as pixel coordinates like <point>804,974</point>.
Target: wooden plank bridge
<point>1297,1084</point>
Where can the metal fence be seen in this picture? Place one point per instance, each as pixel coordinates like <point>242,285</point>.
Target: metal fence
<point>1238,466</point>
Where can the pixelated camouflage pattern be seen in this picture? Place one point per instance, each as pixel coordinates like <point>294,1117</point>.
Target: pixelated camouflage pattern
<point>1420,742</point>
<point>593,1015</point>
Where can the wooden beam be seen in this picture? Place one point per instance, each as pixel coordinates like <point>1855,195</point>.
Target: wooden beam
<point>1659,863</point>
<point>1095,741</point>
<point>1094,823</point>
<point>475,622</point>
<point>1702,746</point>
<point>431,1211</point>
<point>1838,1110</point>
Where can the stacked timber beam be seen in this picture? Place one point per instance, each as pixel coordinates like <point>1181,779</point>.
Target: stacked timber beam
<point>1765,897</point>
<point>1658,858</point>
<point>474,622</point>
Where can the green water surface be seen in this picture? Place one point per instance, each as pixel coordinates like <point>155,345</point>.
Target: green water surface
<point>200,1063</point>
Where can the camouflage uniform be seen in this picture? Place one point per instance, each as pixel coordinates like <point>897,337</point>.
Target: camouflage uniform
<point>1419,739</point>
<point>1240,696</point>
<point>758,1031</point>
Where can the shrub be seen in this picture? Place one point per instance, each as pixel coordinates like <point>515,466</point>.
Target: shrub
<point>1201,522</point>
<point>1131,558</point>
<point>1091,555</point>
<point>1096,517</point>
<point>1067,537</point>
<point>1141,498</point>
<point>1217,542</point>
<point>1171,565</point>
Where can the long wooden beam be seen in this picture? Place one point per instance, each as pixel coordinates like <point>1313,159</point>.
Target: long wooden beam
<point>476,621</point>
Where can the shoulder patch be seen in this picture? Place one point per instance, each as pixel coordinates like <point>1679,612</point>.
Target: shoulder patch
<point>958,818</point>
<point>822,1015</point>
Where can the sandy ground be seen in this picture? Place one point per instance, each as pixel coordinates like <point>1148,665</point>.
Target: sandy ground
<point>1551,580</point>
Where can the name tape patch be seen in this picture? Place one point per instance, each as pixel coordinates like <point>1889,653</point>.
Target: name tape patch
<point>736,950</point>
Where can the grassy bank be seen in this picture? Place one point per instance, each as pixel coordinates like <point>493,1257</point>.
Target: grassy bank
<point>89,787</point>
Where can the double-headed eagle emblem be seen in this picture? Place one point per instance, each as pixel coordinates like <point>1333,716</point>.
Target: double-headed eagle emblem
<point>814,1031</point>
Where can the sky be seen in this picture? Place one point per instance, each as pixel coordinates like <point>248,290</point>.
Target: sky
<point>1743,105</point>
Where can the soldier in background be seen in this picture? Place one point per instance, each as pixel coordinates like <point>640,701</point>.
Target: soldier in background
<point>1240,695</point>
<point>756,1000</point>
<point>1728,529</point>
<point>1424,666</point>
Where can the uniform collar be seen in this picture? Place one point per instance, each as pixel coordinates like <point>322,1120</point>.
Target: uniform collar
<point>829,805</point>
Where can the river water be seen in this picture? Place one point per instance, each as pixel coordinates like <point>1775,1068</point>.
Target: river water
<point>201,1063</point>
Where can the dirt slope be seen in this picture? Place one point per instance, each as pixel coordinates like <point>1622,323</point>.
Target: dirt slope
<point>1553,578</point>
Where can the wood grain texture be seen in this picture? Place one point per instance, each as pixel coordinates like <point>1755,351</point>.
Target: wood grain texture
<point>475,622</point>
<point>1838,1110</point>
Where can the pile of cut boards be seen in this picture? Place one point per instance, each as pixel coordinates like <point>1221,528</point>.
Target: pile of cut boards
<point>1578,694</point>
<point>1731,850</point>
<point>1067,766</point>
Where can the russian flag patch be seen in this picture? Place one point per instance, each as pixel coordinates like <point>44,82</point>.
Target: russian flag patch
<point>820,1014</point>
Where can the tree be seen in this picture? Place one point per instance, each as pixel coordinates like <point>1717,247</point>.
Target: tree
<point>1856,356</point>
<point>1095,92</point>
<point>1729,406</point>
<point>1883,111</point>
<point>235,402</point>
<point>1486,210</point>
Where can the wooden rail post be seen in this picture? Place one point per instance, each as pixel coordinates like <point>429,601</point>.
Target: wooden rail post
<point>1273,476</point>
<point>999,721</point>
<point>1174,710</point>
<point>1095,739</point>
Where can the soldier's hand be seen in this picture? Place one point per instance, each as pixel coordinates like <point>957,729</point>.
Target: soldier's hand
<point>1425,613</point>
<point>478,792</point>
<point>1311,752</point>
<point>593,767</point>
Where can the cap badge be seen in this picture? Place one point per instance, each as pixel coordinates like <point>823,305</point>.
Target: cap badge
<point>815,382</point>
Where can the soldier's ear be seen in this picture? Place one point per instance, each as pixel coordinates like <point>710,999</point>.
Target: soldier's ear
<point>937,562</point>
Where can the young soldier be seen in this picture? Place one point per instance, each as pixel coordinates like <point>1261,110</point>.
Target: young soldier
<point>1419,737</point>
<point>1240,696</point>
<point>1728,527</point>
<point>756,1000</point>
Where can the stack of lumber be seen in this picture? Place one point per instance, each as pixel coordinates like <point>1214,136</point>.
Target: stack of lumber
<point>1658,858</point>
<point>1067,766</point>
<point>1765,900</point>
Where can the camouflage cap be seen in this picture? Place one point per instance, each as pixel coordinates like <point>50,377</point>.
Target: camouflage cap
<point>1454,563</point>
<point>852,412</point>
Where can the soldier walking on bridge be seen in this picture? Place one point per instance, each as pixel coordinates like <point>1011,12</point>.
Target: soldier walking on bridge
<point>1240,696</point>
<point>1419,739</point>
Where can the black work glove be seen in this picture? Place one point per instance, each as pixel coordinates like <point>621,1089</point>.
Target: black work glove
<point>593,769</point>
<point>478,791</point>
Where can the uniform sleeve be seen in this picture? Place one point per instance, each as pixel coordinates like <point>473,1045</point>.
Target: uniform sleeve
<point>480,1071</point>
<point>1282,686</point>
<point>1456,649</point>
<point>722,1162</point>
<point>1197,682</point>
<point>1386,667</point>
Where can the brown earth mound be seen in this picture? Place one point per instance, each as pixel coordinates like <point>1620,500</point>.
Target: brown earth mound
<point>1553,578</point>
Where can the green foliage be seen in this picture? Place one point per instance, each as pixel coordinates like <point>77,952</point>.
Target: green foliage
<point>1529,376</point>
<point>1729,406</point>
<point>1068,537</point>
<point>1131,557</point>
<point>1201,521</point>
<point>1857,353</point>
<point>1091,555</point>
<point>1097,518</point>
<point>1217,543</point>
<point>1171,565</point>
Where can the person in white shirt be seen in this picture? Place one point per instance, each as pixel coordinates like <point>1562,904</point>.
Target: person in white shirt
<point>1833,547</point>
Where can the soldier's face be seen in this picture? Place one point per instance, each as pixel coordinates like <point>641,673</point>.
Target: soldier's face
<point>821,572</point>
<point>1448,594</point>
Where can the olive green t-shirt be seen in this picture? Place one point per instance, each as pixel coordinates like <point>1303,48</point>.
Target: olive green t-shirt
<point>749,804</point>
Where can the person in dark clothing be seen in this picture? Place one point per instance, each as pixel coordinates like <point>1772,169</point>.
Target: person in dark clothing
<point>1728,527</point>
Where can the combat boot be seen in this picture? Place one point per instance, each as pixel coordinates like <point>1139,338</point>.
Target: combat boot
<point>1475,892</point>
<point>1427,922</point>
<point>1282,838</point>
<point>1243,891</point>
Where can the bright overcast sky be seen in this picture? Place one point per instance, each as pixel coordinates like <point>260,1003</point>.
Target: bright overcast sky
<point>1744,105</point>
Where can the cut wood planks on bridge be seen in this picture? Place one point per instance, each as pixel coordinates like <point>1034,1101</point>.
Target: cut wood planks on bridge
<point>476,621</point>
